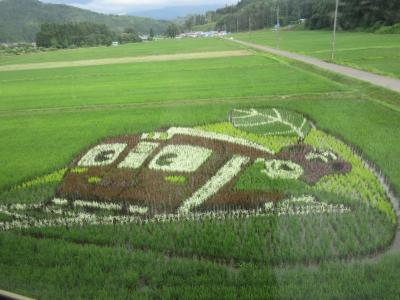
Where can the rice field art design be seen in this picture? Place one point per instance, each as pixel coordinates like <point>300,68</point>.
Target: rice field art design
<point>265,175</point>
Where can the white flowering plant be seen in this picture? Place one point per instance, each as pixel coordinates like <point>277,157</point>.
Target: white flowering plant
<point>102,155</point>
<point>180,158</point>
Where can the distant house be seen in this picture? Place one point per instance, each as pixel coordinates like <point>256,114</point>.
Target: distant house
<point>115,43</point>
<point>198,34</point>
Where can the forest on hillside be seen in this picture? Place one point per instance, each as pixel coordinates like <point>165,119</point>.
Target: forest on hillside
<point>20,20</point>
<point>317,14</point>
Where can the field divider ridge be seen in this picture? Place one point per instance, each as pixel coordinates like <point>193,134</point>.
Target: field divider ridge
<point>171,103</point>
<point>125,60</point>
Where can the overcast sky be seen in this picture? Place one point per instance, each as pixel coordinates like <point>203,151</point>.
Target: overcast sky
<point>125,6</point>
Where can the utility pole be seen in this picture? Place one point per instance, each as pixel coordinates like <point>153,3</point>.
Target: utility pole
<point>237,24</point>
<point>249,23</point>
<point>278,25</point>
<point>334,31</point>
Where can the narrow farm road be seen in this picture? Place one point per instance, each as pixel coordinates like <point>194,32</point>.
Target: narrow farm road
<point>379,80</point>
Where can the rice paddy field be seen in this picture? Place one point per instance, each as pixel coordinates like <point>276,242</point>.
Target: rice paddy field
<point>377,53</point>
<point>100,196</point>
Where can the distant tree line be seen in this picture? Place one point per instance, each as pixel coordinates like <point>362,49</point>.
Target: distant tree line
<point>194,20</point>
<point>84,34</point>
<point>318,14</point>
<point>73,34</point>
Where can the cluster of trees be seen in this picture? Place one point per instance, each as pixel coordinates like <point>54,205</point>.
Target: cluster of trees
<point>85,34</point>
<point>172,30</point>
<point>257,14</point>
<point>129,36</point>
<point>66,35</point>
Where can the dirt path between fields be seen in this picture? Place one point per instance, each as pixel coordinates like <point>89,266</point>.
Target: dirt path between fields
<point>379,80</point>
<point>125,60</point>
<point>12,296</point>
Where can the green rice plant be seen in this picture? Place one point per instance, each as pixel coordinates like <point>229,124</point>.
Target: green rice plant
<point>271,121</point>
<point>360,183</point>
<point>79,170</point>
<point>52,177</point>
<point>163,136</point>
<point>274,240</point>
<point>94,179</point>
<point>254,179</point>
<point>273,142</point>
<point>5,217</point>
<point>29,195</point>
<point>175,179</point>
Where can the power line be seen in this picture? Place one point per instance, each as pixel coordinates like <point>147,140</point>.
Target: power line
<point>249,23</point>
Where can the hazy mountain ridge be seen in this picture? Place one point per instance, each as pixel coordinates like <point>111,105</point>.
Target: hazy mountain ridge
<point>20,20</point>
<point>173,12</point>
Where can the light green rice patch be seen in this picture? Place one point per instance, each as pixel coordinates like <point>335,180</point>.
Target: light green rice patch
<point>275,143</point>
<point>79,170</point>
<point>56,176</point>
<point>94,179</point>
<point>175,179</point>
<point>271,121</point>
<point>359,184</point>
<point>163,136</point>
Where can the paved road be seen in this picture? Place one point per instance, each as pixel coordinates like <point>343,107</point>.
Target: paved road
<point>383,81</point>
